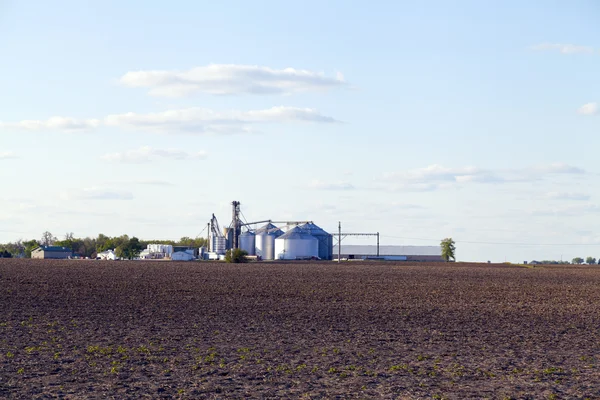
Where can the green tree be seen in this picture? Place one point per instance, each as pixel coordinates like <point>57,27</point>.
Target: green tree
<point>102,243</point>
<point>88,247</point>
<point>590,260</point>
<point>236,256</point>
<point>129,249</point>
<point>29,246</point>
<point>577,260</point>
<point>448,249</point>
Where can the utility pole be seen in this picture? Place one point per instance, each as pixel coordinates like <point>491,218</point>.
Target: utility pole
<point>208,237</point>
<point>377,244</point>
<point>339,242</point>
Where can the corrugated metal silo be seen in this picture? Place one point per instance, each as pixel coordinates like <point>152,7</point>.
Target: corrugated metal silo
<point>296,243</point>
<point>248,242</point>
<point>228,232</point>
<point>265,241</point>
<point>218,244</point>
<point>325,240</point>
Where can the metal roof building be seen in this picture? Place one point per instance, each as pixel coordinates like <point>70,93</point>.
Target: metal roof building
<point>401,253</point>
<point>54,252</point>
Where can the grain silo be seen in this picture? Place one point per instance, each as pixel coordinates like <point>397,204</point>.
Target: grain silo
<point>325,240</point>
<point>248,242</point>
<point>265,241</point>
<point>296,244</point>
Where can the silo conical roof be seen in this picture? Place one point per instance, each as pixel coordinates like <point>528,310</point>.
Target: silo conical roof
<point>314,229</point>
<point>297,233</point>
<point>269,228</point>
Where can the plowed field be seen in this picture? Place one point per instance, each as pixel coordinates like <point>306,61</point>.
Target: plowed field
<point>92,329</point>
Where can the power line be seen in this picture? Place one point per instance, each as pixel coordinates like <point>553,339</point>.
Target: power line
<point>498,243</point>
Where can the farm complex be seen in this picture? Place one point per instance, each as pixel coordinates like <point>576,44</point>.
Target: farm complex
<point>263,240</point>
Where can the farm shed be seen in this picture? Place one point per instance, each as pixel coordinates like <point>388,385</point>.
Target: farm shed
<point>182,256</point>
<point>51,252</point>
<point>397,253</point>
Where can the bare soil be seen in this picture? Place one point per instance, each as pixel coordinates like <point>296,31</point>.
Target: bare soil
<point>93,329</point>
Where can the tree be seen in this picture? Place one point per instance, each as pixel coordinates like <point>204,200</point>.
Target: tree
<point>577,260</point>
<point>590,260</point>
<point>103,243</point>
<point>29,246</point>
<point>129,249</point>
<point>47,239</point>
<point>448,249</point>
<point>236,256</point>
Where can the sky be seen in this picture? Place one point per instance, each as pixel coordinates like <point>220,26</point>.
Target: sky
<point>420,120</point>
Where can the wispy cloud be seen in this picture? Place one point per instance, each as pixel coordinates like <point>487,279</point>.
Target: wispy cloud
<point>64,124</point>
<point>567,196</point>
<point>436,176</point>
<point>439,173</point>
<point>6,155</point>
<point>200,120</point>
<point>564,48</point>
<point>227,79</point>
<point>96,193</point>
<point>550,169</point>
<point>589,109</point>
<point>190,120</point>
<point>571,210</point>
<point>154,182</point>
<point>320,185</point>
<point>147,154</point>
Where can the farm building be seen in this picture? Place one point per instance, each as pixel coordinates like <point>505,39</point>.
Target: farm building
<point>107,255</point>
<point>51,252</point>
<point>195,251</point>
<point>183,255</point>
<point>399,253</point>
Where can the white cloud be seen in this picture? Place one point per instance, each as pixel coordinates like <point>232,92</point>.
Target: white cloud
<point>564,48</point>
<point>435,176</point>
<point>223,79</point>
<point>319,185</point>
<point>567,196</point>
<point>438,173</point>
<point>148,154</point>
<point>154,182</point>
<point>55,123</point>
<point>96,193</point>
<point>572,210</point>
<point>554,168</point>
<point>200,120</point>
<point>5,155</point>
<point>190,120</point>
<point>589,109</point>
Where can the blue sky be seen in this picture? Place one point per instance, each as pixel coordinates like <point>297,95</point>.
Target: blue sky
<point>420,120</point>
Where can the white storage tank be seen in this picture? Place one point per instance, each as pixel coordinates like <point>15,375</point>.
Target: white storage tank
<point>248,242</point>
<point>165,249</point>
<point>296,244</point>
<point>265,241</point>
<point>325,240</point>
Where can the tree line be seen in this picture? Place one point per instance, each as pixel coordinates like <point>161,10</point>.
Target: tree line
<point>124,246</point>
